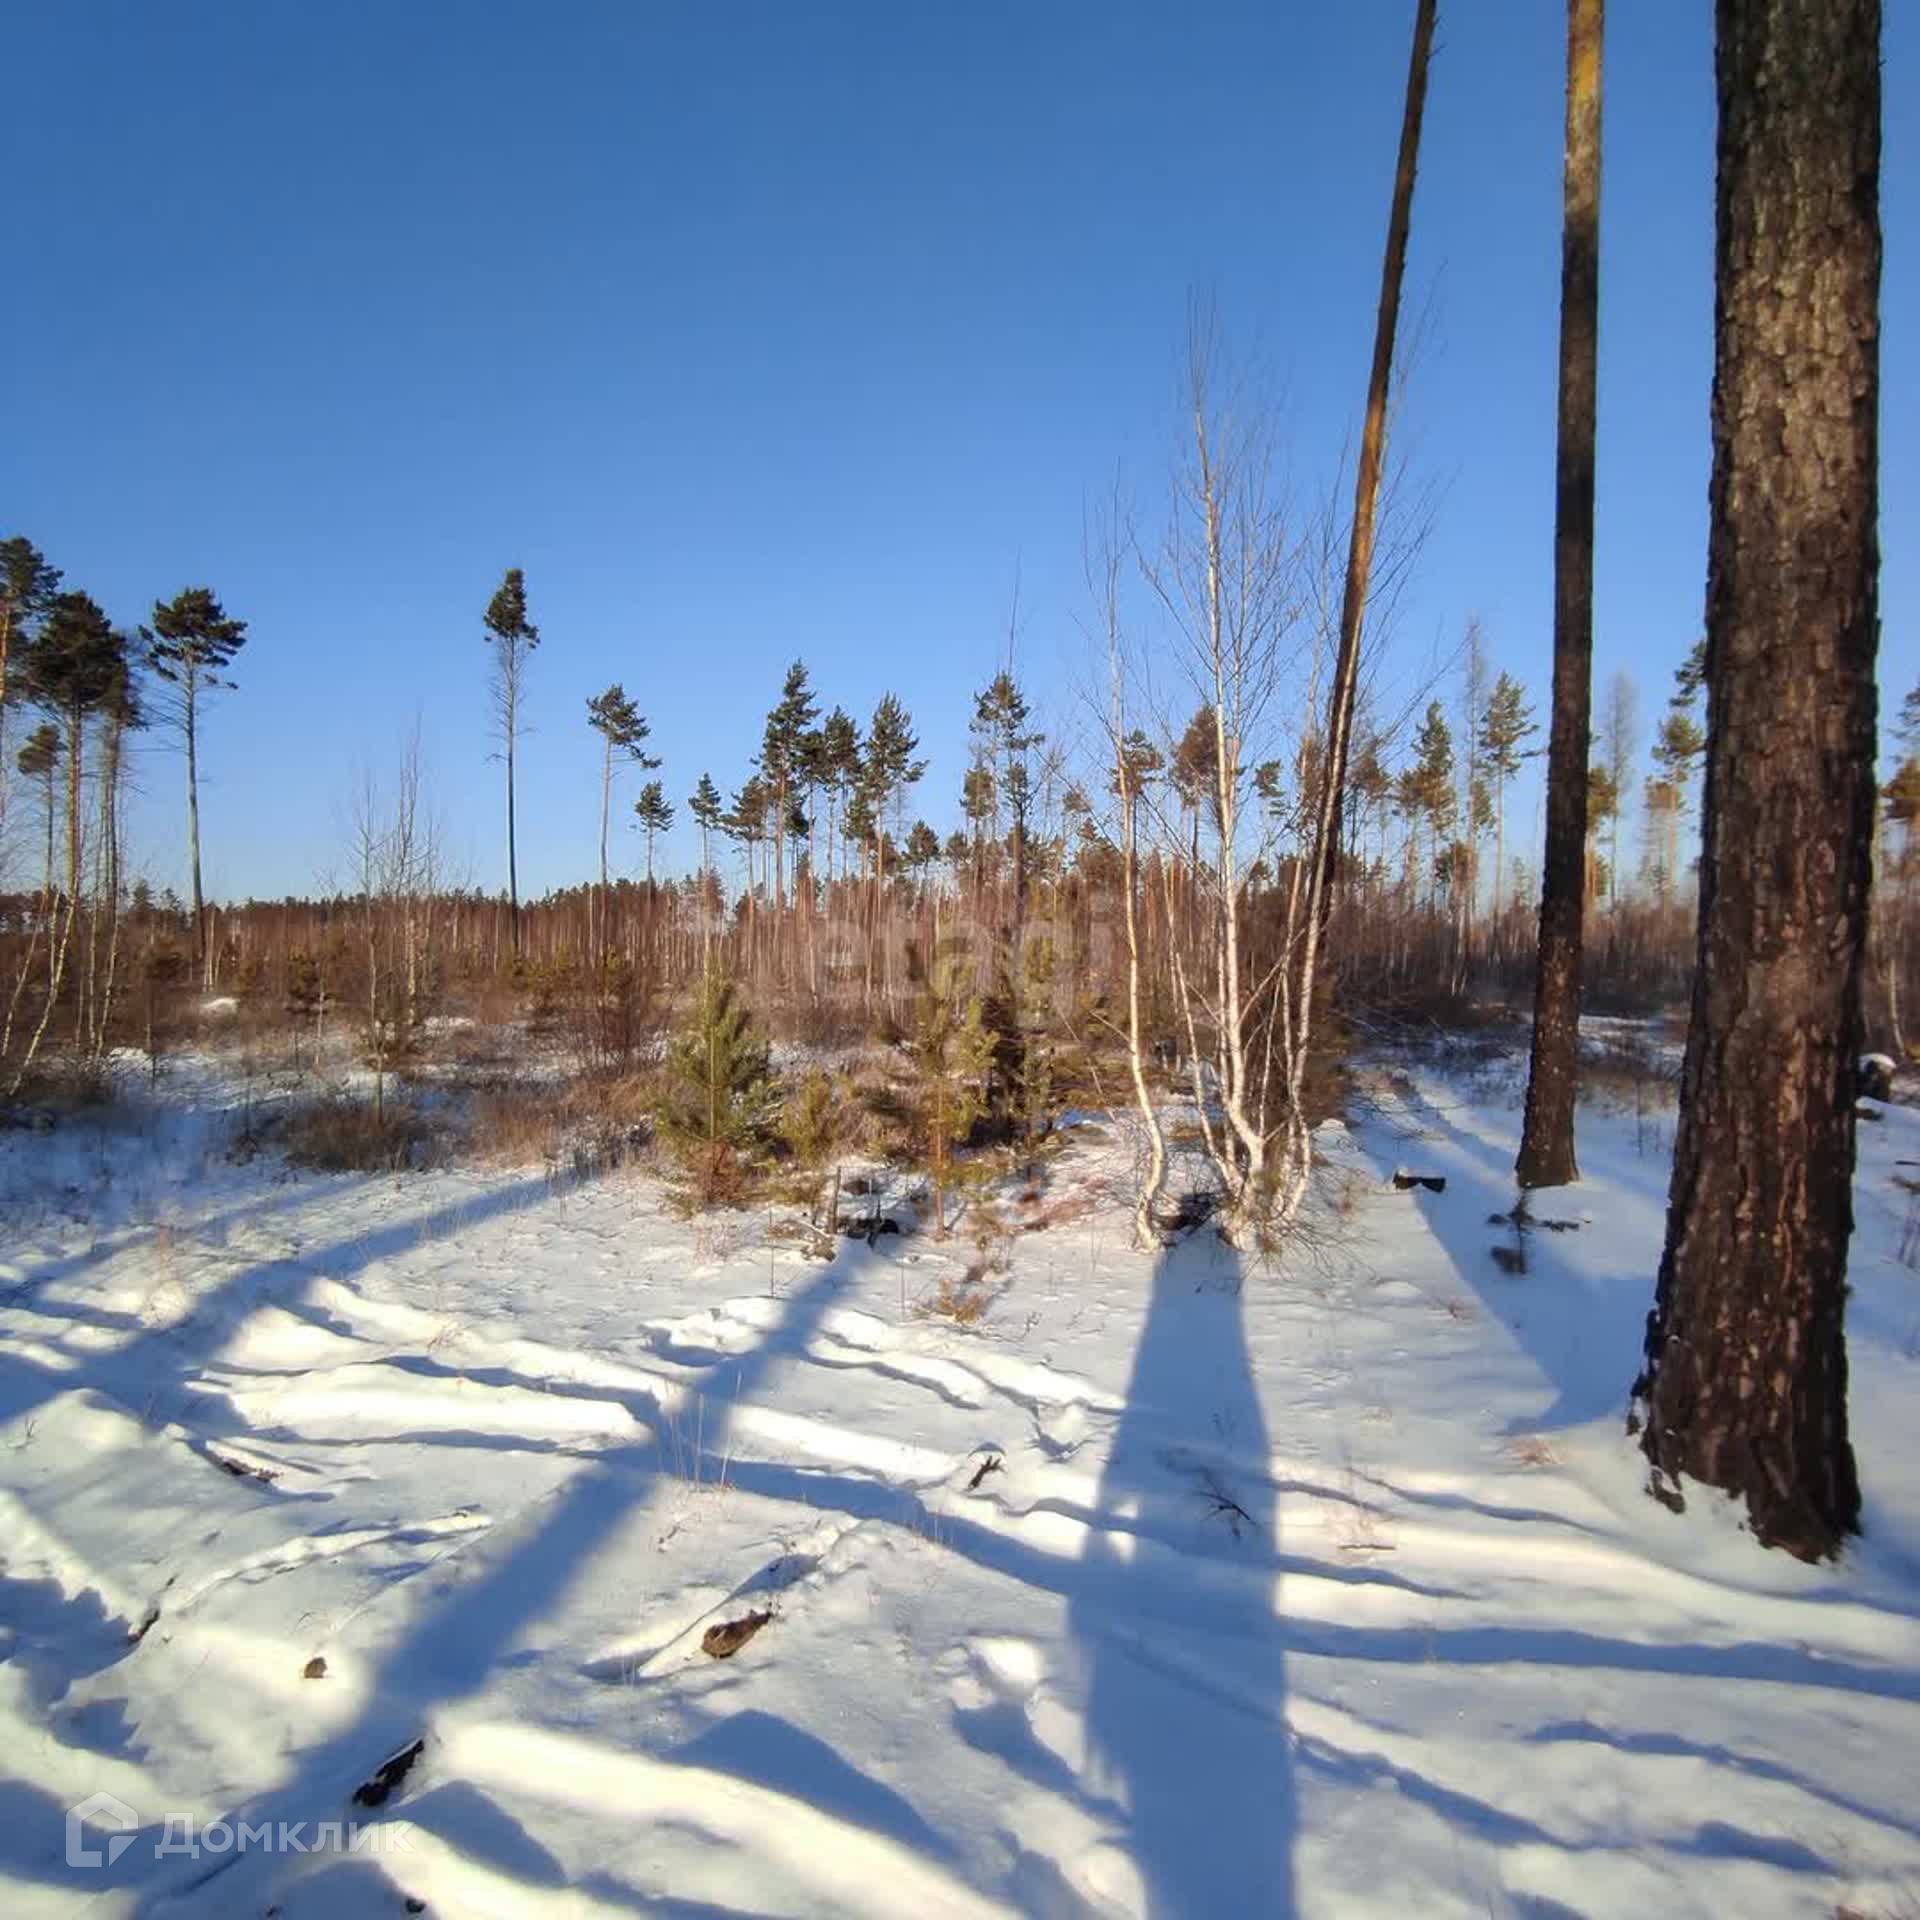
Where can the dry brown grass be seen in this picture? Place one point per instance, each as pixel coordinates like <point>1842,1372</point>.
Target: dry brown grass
<point>60,1087</point>
<point>964,1301</point>
<point>1038,1210</point>
<point>590,1123</point>
<point>1629,1074</point>
<point>713,1177</point>
<point>352,1136</point>
<point>1347,1187</point>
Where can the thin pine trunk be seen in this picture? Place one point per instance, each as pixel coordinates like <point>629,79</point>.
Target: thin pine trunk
<point>1366,494</point>
<point>513,867</point>
<point>1546,1143</point>
<point>200,962</point>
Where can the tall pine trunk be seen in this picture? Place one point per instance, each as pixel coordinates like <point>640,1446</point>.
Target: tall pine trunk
<point>6,647</point>
<point>513,864</point>
<point>1746,1370</point>
<point>1546,1144</point>
<point>1366,494</point>
<point>200,961</point>
<point>606,800</point>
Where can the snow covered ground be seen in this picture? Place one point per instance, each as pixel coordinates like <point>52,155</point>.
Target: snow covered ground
<point>1324,1585</point>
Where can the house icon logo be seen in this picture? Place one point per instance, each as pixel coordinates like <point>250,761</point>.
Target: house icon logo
<point>104,1813</point>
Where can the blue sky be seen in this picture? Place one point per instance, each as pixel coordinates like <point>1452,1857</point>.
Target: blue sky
<point>754,332</point>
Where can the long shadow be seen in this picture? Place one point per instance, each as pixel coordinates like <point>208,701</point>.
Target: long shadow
<point>1584,1339</point>
<point>138,1373</point>
<point>146,1377</point>
<point>209,1229</point>
<point>454,1647</point>
<point>1212,1829</point>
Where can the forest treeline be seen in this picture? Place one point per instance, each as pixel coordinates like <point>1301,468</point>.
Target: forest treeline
<point>820,883</point>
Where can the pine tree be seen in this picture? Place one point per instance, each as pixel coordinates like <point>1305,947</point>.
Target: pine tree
<point>951,1052</point>
<point>1344,688</point>
<point>708,810</point>
<point>862,824</point>
<point>721,1097</point>
<point>653,814</point>
<point>887,770</point>
<point>1196,775</point>
<point>923,849</point>
<point>1504,729</point>
<point>1002,726</point>
<point>1906,729</point>
<point>1431,788</point>
<point>1372,784</point>
<point>39,759</point>
<point>746,821</point>
<point>1603,811</point>
<point>1745,1382</point>
<point>27,588</point>
<point>1690,677</point>
<point>1547,1156</point>
<point>122,712</point>
<point>1019,1018</point>
<point>1660,802</point>
<point>839,756</point>
<point>510,637</point>
<point>1678,748</point>
<point>73,668</point>
<point>622,730</point>
<point>783,762</point>
<point>1902,794</point>
<point>190,646</point>
<point>979,805</point>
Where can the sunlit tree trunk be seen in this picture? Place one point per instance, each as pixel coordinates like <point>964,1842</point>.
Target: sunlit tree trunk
<point>1745,1385</point>
<point>1546,1143</point>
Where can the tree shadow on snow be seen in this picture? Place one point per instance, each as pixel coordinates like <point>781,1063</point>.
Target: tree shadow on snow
<point>147,1374</point>
<point>461,1637</point>
<point>1209,1793</point>
<point>1583,1334</point>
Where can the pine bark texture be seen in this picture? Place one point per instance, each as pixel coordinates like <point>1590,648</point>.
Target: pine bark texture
<point>1546,1143</point>
<point>1746,1373</point>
